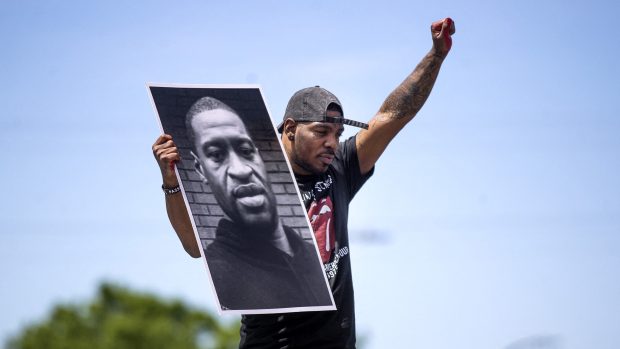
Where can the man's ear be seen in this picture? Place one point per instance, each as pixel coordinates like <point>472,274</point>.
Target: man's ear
<point>198,167</point>
<point>289,129</point>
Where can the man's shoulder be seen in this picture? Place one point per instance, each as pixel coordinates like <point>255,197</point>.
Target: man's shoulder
<point>301,246</point>
<point>346,148</point>
<point>345,158</point>
<point>295,237</point>
<point>224,246</point>
<point>292,233</point>
<point>346,168</point>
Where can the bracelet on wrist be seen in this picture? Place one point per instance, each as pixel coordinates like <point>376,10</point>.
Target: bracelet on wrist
<point>170,191</point>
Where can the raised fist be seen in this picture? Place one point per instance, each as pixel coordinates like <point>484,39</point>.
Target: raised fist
<point>442,32</point>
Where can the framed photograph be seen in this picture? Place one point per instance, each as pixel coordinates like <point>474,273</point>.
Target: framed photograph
<point>244,204</point>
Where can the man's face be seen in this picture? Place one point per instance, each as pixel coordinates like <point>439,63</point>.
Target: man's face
<point>316,144</point>
<point>229,161</point>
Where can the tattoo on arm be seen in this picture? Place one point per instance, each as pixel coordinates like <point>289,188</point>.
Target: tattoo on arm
<point>409,97</point>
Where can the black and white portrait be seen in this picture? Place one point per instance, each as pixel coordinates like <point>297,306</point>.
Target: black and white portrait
<point>242,199</point>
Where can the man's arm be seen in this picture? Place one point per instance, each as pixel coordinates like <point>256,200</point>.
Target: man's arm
<point>406,100</point>
<point>166,154</point>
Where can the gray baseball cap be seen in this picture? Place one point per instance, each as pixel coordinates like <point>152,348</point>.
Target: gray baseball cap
<point>310,104</point>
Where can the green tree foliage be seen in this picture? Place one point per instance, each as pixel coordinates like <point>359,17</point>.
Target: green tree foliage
<point>118,318</point>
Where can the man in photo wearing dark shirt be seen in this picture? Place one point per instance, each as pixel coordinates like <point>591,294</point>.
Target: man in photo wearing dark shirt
<point>330,173</point>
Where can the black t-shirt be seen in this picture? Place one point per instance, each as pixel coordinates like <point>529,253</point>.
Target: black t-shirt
<point>249,273</point>
<point>327,199</point>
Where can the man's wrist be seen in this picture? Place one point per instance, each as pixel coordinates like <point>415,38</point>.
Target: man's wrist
<point>436,54</point>
<point>170,182</point>
<point>170,190</point>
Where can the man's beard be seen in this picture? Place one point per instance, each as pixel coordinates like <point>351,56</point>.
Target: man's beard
<point>261,227</point>
<point>305,166</point>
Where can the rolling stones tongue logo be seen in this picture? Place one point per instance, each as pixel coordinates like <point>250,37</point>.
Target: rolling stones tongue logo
<point>322,221</point>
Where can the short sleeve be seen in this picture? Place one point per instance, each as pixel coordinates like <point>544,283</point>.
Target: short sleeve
<point>351,167</point>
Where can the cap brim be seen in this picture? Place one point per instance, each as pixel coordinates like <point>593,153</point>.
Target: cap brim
<point>338,120</point>
<point>331,120</point>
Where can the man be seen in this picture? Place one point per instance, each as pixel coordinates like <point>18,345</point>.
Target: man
<point>255,262</point>
<point>329,174</point>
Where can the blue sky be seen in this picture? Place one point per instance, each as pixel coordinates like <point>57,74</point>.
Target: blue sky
<point>498,206</point>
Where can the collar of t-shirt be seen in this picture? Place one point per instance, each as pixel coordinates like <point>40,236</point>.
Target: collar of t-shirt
<point>314,187</point>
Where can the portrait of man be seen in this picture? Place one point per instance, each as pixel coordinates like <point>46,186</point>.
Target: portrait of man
<point>256,262</point>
